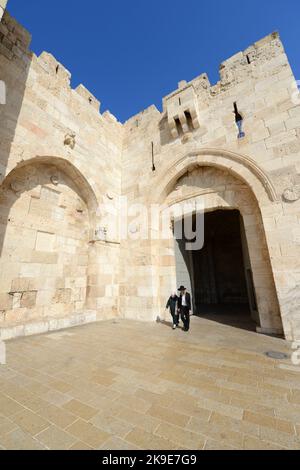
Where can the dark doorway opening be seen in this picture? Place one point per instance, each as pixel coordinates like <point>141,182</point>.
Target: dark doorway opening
<point>220,273</point>
<point>220,284</point>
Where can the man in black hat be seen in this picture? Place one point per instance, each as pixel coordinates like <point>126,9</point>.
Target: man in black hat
<point>184,307</point>
<point>172,305</point>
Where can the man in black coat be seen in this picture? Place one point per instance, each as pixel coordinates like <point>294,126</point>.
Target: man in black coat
<point>184,307</point>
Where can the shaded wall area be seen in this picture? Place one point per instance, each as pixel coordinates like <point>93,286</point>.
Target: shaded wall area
<point>45,245</point>
<point>3,4</point>
<point>15,62</point>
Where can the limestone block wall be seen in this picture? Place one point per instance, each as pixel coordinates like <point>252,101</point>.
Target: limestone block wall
<point>259,83</point>
<point>50,224</point>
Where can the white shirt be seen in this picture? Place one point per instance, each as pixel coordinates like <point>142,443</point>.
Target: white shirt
<point>183,301</point>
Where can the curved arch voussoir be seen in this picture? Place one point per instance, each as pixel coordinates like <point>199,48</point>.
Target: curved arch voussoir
<point>240,166</point>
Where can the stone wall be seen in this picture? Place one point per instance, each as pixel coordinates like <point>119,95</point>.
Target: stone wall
<point>45,254</point>
<point>54,144</point>
<point>221,190</point>
<point>2,7</point>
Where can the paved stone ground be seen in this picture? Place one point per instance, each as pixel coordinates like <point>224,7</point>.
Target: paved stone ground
<point>128,385</point>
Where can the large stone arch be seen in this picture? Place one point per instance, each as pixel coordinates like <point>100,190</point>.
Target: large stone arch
<point>87,185</point>
<point>256,187</point>
<point>48,219</point>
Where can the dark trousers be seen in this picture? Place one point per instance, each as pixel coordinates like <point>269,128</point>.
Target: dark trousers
<point>175,317</point>
<point>185,317</point>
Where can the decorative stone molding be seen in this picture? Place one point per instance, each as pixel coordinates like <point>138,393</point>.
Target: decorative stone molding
<point>187,137</point>
<point>240,165</point>
<point>182,111</point>
<point>17,186</point>
<point>54,180</point>
<point>2,7</point>
<point>47,325</point>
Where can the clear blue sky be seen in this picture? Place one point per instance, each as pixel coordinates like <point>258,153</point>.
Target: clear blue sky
<point>131,53</point>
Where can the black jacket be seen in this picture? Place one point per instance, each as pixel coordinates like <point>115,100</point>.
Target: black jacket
<point>172,303</point>
<point>187,300</point>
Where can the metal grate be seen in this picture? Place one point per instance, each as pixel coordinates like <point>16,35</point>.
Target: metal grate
<point>276,355</point>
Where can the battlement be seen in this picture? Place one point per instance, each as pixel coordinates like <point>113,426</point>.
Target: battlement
<point>234,70</point>
<point>232,147</point>
<point>181,106</point>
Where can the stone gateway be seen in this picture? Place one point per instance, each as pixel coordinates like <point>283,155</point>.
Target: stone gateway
<point>233,147</point>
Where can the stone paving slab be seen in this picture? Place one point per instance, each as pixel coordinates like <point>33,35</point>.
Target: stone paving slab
<point>130,385</point>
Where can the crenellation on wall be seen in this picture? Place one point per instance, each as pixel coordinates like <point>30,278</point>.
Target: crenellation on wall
<point>140,121</point>
<point>264,88</point>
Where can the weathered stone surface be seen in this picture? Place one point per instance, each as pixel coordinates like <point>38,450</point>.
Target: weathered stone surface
<point>214,390</point>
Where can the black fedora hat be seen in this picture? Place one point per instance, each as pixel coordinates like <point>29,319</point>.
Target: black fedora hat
<point>181,288</point>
